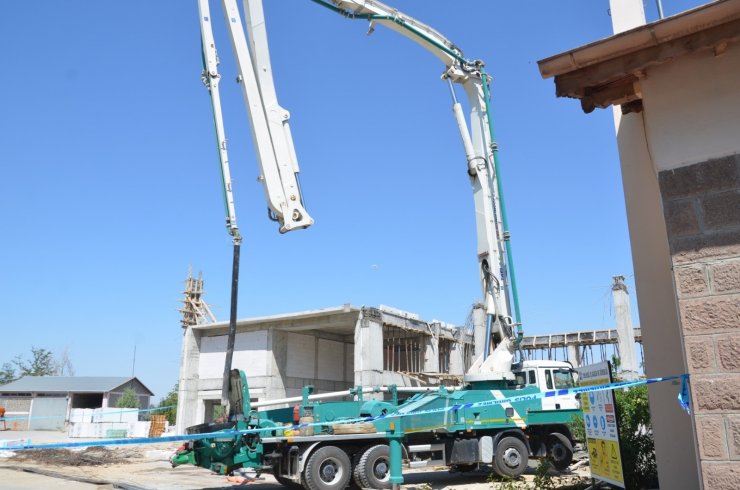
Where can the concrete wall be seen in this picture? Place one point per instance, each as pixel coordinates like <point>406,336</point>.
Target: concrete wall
<point>187,391</point>
<point>681,176</point>
<point>250,354</point>
<point>278,364</point>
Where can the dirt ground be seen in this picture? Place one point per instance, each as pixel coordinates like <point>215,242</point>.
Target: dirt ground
<point>147,468</point>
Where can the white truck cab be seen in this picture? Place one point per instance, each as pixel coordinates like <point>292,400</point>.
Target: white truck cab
<point>548,376</point>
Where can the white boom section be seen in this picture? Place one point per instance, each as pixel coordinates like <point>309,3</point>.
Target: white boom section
<point>269,123</point>
<point>277,117</point>
<point>392,19</point>
<point>211,79</point>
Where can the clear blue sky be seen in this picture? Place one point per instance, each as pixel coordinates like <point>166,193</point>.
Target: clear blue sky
<point>110,185</point>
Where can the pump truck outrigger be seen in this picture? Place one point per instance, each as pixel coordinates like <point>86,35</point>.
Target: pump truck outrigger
<point>326,455</point>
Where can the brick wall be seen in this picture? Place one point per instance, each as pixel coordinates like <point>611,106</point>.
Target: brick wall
<point>701,205</point>
<point>16,407</point>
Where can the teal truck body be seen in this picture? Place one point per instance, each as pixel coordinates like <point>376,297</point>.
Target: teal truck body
<point>439,428</point>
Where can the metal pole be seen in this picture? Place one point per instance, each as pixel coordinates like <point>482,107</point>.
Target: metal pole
<point>133,364</point>
<point>661,15</point>
<point>225,387</point>
<point>395,435</point>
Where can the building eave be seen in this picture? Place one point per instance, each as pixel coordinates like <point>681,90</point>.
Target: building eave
<point>608,72</point>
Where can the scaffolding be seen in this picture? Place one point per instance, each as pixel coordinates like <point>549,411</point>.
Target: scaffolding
<point>195,311</point>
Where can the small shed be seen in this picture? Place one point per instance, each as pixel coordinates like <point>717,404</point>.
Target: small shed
<point>45,402</point>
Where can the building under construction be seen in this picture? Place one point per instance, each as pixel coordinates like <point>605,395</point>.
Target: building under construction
<point>335,349</point>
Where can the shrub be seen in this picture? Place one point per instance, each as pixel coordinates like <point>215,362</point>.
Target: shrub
<point>170,401</point>
<point>636,438</point>
<point>577,428</point>
<point>129,399</point>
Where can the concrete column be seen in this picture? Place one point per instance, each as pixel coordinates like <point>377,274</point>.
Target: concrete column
<point>625,330</point>
<point>68,414</point>
<point>369,348</point>
<point>479,330</point>
<point>187,394</point>
<point>675,446</point>
<point>431,351</point>
<point>457,360</point>
<point>277,345</point>
<point>673,431</point>
<point>626,14</point>
<point>574,356</point>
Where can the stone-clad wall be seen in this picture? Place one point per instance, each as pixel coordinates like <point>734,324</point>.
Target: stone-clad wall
<point>702,211</point>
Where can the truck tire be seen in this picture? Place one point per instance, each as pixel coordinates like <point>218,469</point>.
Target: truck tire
<point>511,457</point>
<point>328,468</point>
<point>374,468</point>
<point>559,451</point>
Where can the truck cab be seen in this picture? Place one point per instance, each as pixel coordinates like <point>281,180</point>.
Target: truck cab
<point>549,376</point>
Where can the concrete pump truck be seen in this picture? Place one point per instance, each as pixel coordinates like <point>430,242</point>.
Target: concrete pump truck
<point>461,428</point>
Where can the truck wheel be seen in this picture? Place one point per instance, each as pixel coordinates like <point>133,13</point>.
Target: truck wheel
<point>374,468</point>
<point>511,457</point>
<point>328,468</point>
<point>559,451</point>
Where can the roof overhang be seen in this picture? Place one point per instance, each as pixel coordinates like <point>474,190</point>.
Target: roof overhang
<point>608,72</point>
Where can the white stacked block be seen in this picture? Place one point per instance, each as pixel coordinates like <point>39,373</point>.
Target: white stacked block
<point>138,429</point>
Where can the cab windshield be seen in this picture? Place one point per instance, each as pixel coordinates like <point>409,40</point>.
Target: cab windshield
<point>563,378</point>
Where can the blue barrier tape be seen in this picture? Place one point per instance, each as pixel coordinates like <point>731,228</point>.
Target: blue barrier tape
<point>230,434</point>
<point>106,414</point>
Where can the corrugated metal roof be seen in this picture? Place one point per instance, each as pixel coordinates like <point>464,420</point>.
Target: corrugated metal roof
<point>65,384</point>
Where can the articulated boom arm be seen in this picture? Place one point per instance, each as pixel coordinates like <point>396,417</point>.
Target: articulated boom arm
<point>494,253</point>
<point>279,166</point>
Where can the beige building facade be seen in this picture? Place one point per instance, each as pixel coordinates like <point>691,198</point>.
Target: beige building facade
<point>675,86</point>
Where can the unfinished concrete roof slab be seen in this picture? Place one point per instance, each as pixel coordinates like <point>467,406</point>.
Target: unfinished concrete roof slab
<point>338,321</point>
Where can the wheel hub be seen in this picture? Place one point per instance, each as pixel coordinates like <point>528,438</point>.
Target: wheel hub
<point>512,458</point>
<point>381,469</point>
<point>558,452</point>
<point>329,471</point>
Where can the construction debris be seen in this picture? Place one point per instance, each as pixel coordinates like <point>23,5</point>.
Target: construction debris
<point>91,456</point>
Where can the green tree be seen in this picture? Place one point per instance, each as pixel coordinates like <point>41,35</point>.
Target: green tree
<point>7,373</point>
<point>42,363</point>
<point>129,399</point>
<point>170,401</point>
